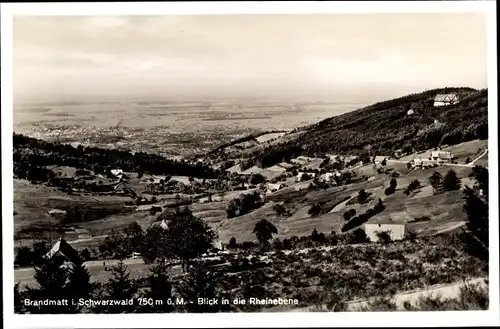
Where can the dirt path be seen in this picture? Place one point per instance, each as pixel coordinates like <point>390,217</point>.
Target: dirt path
<point>479,157</point>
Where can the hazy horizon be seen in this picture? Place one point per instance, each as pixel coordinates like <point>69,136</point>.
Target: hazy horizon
<point>342,57</point>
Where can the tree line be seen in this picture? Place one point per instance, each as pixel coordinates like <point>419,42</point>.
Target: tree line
<point>31,155</point>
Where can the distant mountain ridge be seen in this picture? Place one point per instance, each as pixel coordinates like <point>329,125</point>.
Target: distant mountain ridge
<point>385,127</point>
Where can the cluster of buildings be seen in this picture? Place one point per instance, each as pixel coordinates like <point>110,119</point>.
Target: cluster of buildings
<point>435,158</point>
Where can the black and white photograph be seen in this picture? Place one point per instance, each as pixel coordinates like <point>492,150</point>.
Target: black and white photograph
<point>250,162</point>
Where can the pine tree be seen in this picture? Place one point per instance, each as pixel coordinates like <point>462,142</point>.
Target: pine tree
<point>79,285</point>
<point>450,181</point>
<point>120,287</point>
<point>476,236</point>
<point>160,289</point>
<point>199,282</point>
<point>18,300</point>
<point>51,277</point>
<point>481,175</point>
<point>436,181</point>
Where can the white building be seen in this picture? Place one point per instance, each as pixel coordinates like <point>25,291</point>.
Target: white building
<point>396,231</point>
<point>442,156</point>
<point>117,172</point>
<point>273,187</point>
<point>445,100</point>
<point>330,175</point>
<point>380,158</point>
<point>57,212</point>
<point>422,162</point>
<point>410,112</point>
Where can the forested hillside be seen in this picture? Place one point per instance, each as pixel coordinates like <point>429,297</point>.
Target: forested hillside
<point>385,127</point>
<point>31,155</point>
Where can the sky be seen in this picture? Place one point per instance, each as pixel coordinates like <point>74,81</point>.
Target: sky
<point>321,56</point>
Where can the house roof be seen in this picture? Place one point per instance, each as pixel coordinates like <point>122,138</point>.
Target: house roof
<point>63,248</point>
<point>386,225</point>
<point>56,211</point>
<point>446,98</point>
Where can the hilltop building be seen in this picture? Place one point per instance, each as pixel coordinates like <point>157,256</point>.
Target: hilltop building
<point>445,99</point>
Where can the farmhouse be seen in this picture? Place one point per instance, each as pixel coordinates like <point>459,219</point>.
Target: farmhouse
<point>442,156</point>
<point>396,231</point>
<point>82,233</point>
<point>273,187</point>
<point>327,177</point>
<point>445,99</point>
<point>57,212</point>
<point>379,159</point>
<point>62,249</point>
<point>422,162</point>
<point>117,172</point>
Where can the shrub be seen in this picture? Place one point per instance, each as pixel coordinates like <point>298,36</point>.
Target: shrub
<point>362,196</point>
<point>349,214</point>
<point>415,184</point>
<point>390,190</point>
<point>280,210</point>
<point>356,236</point>
<point>384,236</point>
<point>257,179</point>
<point>314,210</point>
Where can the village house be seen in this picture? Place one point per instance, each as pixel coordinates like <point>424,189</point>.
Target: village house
<point>445,100</point>
<point>442,156</point>
<point>57,212</point>
<point>396,231</point>
<point>300,174</point>
<point>380,159</point>
<point>327,177</point>
<point>117,173</point>
<point>62,249</point>
<point>422,162</point>
<point>82,233</point>
<point>273,187</point>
